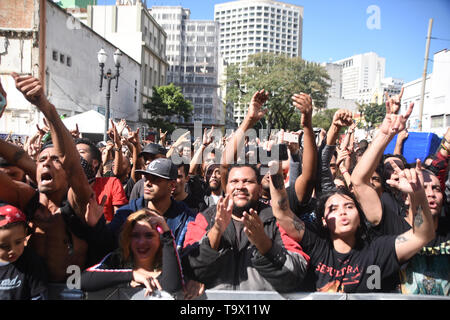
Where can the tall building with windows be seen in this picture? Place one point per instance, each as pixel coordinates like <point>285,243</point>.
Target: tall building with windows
<point>251,26</point>
<point>194,62</point>
<point>359,75</point>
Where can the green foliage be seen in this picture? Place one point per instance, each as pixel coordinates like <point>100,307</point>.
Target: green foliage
<point>323,118</point>
<point>374,113</point>
<point>282,76</point>
<point>167,101</point>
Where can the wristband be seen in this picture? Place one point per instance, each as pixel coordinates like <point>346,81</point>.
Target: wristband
<point>444,147</point>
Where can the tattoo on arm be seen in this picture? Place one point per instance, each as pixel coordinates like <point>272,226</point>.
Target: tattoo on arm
<point>401,239</point>
<point>418,217</point>
<point>283,203</point>
<point>299,225</point>
<point>278,181</point>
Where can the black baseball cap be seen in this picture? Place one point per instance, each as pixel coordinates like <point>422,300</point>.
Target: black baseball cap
<point>153,149</point>
<point>161,167</point>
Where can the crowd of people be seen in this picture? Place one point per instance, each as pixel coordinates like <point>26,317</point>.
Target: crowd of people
<point>317,213</point>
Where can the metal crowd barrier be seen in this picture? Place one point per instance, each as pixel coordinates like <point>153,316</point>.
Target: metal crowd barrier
<point>60,292</point>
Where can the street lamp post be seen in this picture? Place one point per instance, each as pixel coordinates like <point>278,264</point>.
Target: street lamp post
<point>102,56</point>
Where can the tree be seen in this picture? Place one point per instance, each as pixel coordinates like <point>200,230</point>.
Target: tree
<point>323,118</point>
<point>167,101</point>
<point>282,76</point>
<point>374,113</point>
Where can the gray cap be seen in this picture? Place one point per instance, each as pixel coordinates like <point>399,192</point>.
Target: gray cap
<point>161,167</point>
<point>154,149</point>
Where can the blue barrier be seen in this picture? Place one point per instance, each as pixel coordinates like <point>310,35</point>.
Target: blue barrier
<point>417,145</point>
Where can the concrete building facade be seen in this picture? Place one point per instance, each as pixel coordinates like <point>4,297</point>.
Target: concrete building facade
<point>194,62</point>
<point>359,75</point>
<point>436,108</point>
<point>63,54</point>
<point>133,30</point>
<point>251,26</point>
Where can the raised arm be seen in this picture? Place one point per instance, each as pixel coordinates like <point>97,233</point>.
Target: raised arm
<point>294,227</point>
<point>17,156</point>
<point>254,114</point>
<point>198,155</point>
<point>401,137</point>
<point>364,192</point>
<point>341,118</point>
<point>118,156</point>
<point>411,181</point>
<point>80,191</point>
<point>304,184</point>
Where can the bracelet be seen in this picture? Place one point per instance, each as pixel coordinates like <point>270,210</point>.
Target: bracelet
<point>444,147</point>
<point>342,172</point>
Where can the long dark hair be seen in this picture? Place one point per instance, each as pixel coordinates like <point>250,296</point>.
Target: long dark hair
<point>362,235</point>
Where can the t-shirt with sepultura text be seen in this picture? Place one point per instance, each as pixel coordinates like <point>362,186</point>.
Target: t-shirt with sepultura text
<point>23,279</point>
<point>362,270</point>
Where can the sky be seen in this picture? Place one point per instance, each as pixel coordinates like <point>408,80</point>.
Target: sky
<point>337,29</point>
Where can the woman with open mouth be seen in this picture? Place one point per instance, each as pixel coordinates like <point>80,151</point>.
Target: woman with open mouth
<point>146,256</point>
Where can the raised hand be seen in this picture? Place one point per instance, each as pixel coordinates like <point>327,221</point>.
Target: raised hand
<point>133,137</point>
<point>394,123</point>
<point>162,136</point>
<point>408,180</point>
<point>303,102</point>
<point>207,136</point>
<point>184,138</point>
<point>342,155</point>
<point>403,135</point>
<point>393,103</point>
<point>343,118</point>
<point>255,111</point>
<point>31,88</point>
<point>121,126</point>
<point>76,132</point>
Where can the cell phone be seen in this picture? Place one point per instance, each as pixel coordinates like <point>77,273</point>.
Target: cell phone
<point>290,137</point>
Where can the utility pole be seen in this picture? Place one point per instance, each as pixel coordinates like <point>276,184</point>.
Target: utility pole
<point>424,76</point>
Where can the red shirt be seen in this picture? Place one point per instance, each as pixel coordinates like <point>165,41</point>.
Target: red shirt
<point>113,189</point>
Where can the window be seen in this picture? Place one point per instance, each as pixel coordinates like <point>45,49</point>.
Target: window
<point>62,58</point>
<point>437,121</point>
<point>55,55</point>
<point>69,61</point>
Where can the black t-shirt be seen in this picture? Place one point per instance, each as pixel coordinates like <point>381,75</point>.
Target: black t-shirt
<point>392,223</point>
<point>24,279</point>
<point>194,203</point>
<point>128,187</point>
<point>428,272</point>
<point>354,272</point>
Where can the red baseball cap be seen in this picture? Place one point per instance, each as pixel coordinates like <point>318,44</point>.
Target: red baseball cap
<point>11,214</point>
